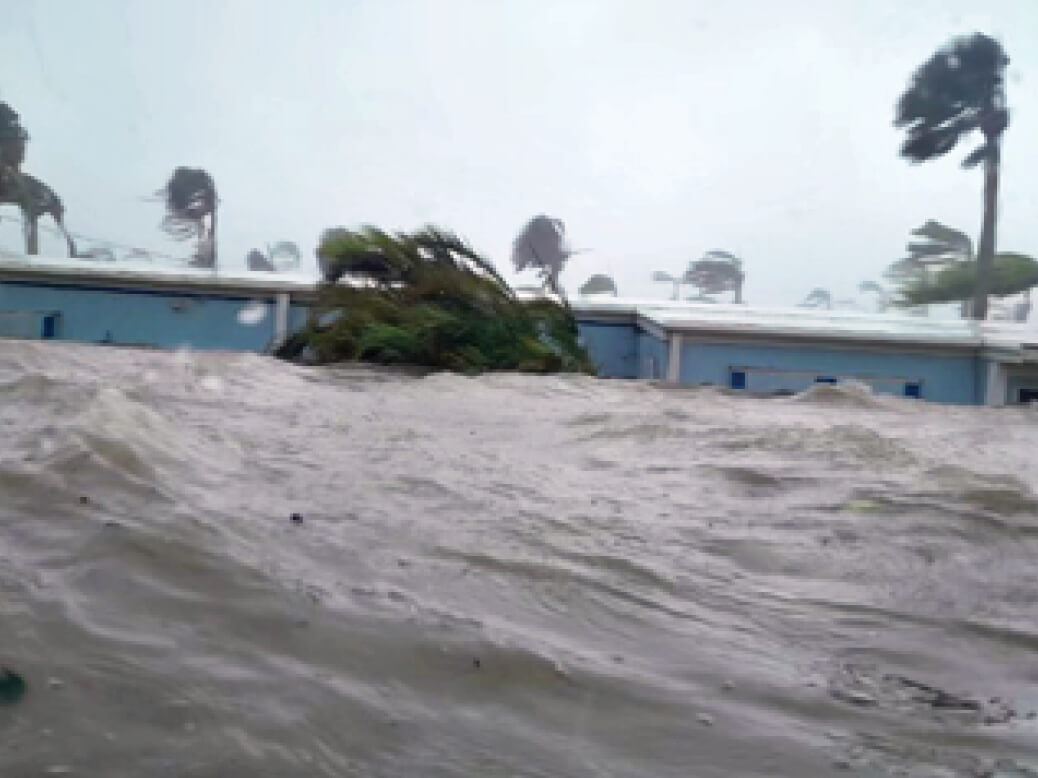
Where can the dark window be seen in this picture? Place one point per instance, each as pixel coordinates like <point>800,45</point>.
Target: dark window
<point>738,379</point>
<point>49,326</point>
<point>913,389</point>
<point>1029,395</point>
<point>825,379</point>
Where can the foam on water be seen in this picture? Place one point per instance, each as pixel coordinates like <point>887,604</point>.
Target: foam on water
<point>505,575</point>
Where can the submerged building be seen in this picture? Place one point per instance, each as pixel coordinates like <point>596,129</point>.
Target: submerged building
<point>758,351</point>
<point>772,351</point>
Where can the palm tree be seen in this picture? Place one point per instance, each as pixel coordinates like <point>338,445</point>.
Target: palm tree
<point>943,247</point>
<point>598,284</point>
<point>541,245</point>
<point>717,271</point>
<point>1010,274</point>
<point>283,255</point>
<point>818,298</point>
<point>33,197</point>
<point>961,88</point>
<point>663,277</point>
<point>191,201</point>
<point>882,295</point>
<point>943,269</point>
<point>258,261</point>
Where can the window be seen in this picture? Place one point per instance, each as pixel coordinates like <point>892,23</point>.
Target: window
<point>49,325</point>
<point>913,389</point>
<point>1029,395</point>
<point>737,379</point>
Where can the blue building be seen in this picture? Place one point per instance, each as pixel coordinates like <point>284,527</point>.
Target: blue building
<point>784,351</point>
<point>756,351</point>
<point>144,306</point>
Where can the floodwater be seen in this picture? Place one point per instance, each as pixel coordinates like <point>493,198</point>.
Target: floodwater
<point>505,575</point>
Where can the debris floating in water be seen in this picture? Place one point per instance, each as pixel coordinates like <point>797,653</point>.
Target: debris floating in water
<point>12,686</point>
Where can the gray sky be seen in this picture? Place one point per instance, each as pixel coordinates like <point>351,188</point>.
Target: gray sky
<point>655,130</point>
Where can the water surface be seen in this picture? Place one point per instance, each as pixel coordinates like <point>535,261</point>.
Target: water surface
<point>505,576</point>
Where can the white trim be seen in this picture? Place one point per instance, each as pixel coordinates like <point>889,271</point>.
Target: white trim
<point>674,359</point>
<point>281,302</point>
<point>997,387</point>
<point>650,327</point>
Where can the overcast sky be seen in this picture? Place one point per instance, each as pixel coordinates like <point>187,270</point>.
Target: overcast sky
<point>654,130</point>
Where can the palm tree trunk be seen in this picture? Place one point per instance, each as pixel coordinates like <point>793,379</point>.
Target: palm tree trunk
<point>212,235</point>
<point>32,236</point>
<point>986,249</point>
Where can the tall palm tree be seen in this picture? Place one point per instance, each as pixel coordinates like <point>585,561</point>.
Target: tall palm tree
<point>961,88</point>
<point>191,201</point>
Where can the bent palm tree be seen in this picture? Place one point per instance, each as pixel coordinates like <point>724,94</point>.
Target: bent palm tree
<point>882,295</point>
<point>942,247</point>
<point>283,255</point>
<point>191,201</point>
<point>33,197</point>
<point>818,298</point>
<point>663,277</point>
<point>958,90</point>
<point>717,271</point>
<point>541,245</point>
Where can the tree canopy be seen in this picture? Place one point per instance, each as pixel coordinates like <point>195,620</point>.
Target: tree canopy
<point>599,284</point>
<point>961,88</point>
<point>1011,273</point>
<point>428,298</point>
<point>13,138</point>
<point>716,272</point>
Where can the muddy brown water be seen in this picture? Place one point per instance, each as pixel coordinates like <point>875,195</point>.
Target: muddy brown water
<point>505,575</point>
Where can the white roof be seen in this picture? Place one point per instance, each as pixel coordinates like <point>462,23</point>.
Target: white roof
<point>677,316</point>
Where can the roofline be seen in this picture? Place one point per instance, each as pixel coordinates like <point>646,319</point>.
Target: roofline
<point>190,281</point>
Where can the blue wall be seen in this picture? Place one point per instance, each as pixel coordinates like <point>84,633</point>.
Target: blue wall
<point>653,356</point>
<point>612,346</point>
<point>948,379</point>
<point>622,350</point>
<point>163,319</point>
